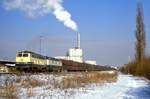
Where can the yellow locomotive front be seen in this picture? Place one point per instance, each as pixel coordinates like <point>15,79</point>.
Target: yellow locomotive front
<point>23,57</point>
<point>27,57</point>
<point>30,61</point>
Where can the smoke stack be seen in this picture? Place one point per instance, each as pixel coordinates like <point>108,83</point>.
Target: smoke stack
<point>78,40</point>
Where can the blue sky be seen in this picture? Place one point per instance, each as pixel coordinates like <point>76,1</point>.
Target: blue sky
<point>107,30</point>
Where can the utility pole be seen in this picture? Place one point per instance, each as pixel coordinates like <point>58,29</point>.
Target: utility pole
<point>41,44</point>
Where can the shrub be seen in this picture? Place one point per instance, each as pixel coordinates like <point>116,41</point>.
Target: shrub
<point>139,70</point>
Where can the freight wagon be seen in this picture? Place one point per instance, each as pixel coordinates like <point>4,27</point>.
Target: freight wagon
<point>69,65</point>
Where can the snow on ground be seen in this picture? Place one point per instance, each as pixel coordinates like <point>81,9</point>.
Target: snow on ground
<point>126,87</point>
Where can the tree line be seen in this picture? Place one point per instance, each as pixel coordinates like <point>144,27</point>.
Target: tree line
<point>140,66</point>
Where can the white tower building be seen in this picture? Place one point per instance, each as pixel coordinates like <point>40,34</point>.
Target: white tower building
<point>74,54</point>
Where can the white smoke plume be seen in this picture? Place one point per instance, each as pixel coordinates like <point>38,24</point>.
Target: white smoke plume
<point>35,8</point>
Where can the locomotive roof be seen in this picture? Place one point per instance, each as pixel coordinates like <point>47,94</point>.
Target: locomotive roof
<point>29,52</point>
<point>39,55</point>
<point>26,52</point>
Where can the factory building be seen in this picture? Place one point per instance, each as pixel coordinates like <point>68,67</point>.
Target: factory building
<point>73,54</point>
<point>76,54</point>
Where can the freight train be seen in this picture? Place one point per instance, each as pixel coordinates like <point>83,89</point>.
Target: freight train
<point>29,61</point>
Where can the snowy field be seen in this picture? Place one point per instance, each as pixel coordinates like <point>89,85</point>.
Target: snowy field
<point>126,87</point>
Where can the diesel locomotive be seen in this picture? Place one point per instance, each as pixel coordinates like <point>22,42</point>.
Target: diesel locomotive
<point>30,61</point>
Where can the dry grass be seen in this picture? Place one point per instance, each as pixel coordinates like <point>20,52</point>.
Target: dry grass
<point>61,81</point>
<point>9,91</point>
<point>87,78</point>
<point>80,79</point>
<point>30,92</point>
<point>30,82</point>
<point>11,88</point>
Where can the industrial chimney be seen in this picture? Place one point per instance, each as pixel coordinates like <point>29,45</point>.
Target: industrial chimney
<point>78,40</point>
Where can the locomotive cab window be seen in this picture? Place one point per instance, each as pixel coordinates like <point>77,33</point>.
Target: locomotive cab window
<point>19,55</point>
<point>25,55</point>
